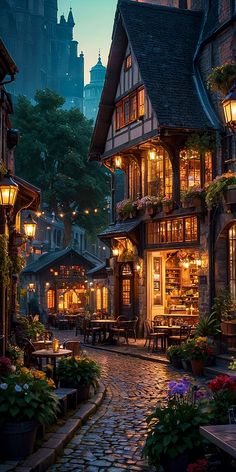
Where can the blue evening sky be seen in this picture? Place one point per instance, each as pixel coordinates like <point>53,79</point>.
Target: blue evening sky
<point>93,29</point>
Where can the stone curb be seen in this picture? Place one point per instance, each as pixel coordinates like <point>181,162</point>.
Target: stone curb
<point>131,354</point>
<point>46,456</point>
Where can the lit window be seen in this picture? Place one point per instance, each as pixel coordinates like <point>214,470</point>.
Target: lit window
<point>190,169</point>
<point>126,292</point>
<point>232,260</point>
<point>130,109</point>
<point>99,299</point>
<point>178,230</point>
<point>160,174</point>
<point>128,62</point>
<point>208,167</point>
<point>51,299</point>
<point>105,299</point>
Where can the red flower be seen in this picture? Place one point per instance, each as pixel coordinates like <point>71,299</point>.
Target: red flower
<point>222,382</point>
<point>199,466</point>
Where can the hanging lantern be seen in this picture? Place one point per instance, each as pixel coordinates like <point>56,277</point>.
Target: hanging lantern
<point>115,251</point>
<point>8,191</point>
<point>229,108</point>
<point>30,227</point>
<point>118,162</point>
<point>152,154</point>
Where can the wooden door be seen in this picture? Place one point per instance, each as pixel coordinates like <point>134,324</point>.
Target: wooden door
<point>126,292</point>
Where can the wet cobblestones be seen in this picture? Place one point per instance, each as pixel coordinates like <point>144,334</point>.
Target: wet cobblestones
<point>112,440</point>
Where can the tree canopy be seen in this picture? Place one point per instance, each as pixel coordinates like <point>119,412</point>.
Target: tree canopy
<point>53,155</point>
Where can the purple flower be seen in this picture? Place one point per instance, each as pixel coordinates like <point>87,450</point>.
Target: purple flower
<point>178,388</point>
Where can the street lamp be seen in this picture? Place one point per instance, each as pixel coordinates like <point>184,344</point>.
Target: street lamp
<point>30,227</point>
<point>229,108</point>
<point>8,191</point>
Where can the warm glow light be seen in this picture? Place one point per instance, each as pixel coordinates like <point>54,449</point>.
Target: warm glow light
<point>152,154</point>
<point>198,262</point>
<point>56,273</point>
<point>61,215</point>
<point>86,212</point>
<point>55,345</point>
<point>38,213</point>
<point>118,162</point>
<point>74,213</point>
<point>186,264</point>
<point>31,287</point>
<point>95,210</point>
<point>115,251</point>
<point>138,267</point>
<point>8,191</point>
<point>47,284</point>
<point>229,108</point>
<point>30,227</point>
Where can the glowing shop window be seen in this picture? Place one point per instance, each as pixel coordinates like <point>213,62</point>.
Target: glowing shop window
<point>177,230</point>
<point>126,292</point>
<point>99,299</point>
<point>190,169</point>
<point>157,286</point>
<point>160,177</point>
<point>105,298</point>
<point>51,299</point>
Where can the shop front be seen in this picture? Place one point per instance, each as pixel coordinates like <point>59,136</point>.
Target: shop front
<point>175,264</point>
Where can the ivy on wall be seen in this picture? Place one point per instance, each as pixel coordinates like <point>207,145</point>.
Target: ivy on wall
<point>5,262</point>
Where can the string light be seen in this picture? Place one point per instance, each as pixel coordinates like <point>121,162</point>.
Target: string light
<point>86,212</point>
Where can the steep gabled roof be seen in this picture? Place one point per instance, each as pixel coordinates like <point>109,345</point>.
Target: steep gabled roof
<point>54,257</point>
<point>7,65</point>
<point>163,41</point>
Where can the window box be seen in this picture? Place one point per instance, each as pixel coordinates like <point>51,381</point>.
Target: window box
<point>167,206</point>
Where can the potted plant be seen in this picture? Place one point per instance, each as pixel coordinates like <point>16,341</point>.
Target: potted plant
<point>223,391</point>
<point>125,209</point>
<point>26,400</point>
<point>15,354</point>
<point>173,437</point>
<point>80,373</point>
<point>167,205</point>
<point>208,325</point>
<point>149,204</point>
<point>224,310</point>
<point>174,354</point>
<point>220,186</point>
<point>222,77</point>
<point>193,197</point>
<point>31,326</point>
<point>199,352</point>
<point>186,363</point>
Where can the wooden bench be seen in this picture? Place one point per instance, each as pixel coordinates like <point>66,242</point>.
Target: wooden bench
<point>223,436</point>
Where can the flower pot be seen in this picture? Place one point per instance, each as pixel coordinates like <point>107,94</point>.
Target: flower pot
<point>197,366</point>
<point>230,195</point>
<point>167,207</point>
<point>17,439</point>
<point>176,464</point>
<point>176,362</point>
<point>83,393</point>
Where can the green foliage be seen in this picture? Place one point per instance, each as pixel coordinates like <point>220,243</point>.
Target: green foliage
<point>17,264</point>
<point>78,371</point>
<point>125,208</point>
<point>15,354</point>
<point>174,428</point>
<point>216,188</point>
<point>193,192</point>
<point>5,262</point>
<point>174,351</point>
<point>53,155</point>
<point>201,142</point>
<point>223,306</point>
<point>24,397</point>
<point>31,326</point>
<point>221,78</point>
<point>208,325</point>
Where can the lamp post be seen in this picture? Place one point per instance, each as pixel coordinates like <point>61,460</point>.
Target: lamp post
<point>8,194</point>
<point>229,108</point>
<point>30,227</point>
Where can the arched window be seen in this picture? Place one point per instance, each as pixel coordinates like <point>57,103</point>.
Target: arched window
<point>160,176</point>
<point>195,170</point>
<point>232,260</point>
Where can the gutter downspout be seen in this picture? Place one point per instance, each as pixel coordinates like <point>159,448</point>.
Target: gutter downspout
<point>210,113</point>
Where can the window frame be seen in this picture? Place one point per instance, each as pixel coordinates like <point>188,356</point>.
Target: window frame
<point>128,62</point>
<point>124,110</point>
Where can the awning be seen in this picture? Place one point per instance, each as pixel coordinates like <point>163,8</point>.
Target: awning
<point>28,195</point>
<point>124,228</point>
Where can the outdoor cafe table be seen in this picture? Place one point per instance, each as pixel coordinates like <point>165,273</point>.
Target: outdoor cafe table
<point>106,325</point>
<point>223,436</point>
<point>49,354</point>
<point>39,345</point>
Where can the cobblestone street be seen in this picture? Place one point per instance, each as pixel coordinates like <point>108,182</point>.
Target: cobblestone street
<point>112,440</point>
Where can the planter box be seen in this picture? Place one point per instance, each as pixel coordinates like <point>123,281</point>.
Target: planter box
<point>230,195</point>
<point>228,328</point>
<point>194,202</point>
<point>167,207</point>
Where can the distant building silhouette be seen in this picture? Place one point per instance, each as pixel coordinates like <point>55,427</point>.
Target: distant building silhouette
<point>93,90</point>
<point>44,49</point>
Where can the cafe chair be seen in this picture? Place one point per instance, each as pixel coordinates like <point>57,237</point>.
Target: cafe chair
<point>121,329</point>
<point>90,330</point>
<point>74,346</point>
<point>183,335</point>
<point>28,349</point>
<point>79,325</point>
<point>153,336</point>
<point>132,328</point>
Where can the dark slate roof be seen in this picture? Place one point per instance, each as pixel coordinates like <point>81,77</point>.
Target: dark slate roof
<point>124,227</point>
<point>51,257</point>
<point>97,269</point>
<point>164,41</point>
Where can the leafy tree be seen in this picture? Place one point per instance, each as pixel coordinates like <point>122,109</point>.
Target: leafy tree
<point>53,154</point>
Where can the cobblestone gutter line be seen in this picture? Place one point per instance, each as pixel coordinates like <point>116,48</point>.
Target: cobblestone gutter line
<point>131,353</point>
<point>46,456</point>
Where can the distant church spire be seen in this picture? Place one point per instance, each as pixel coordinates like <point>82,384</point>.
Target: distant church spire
<point>70,19</point>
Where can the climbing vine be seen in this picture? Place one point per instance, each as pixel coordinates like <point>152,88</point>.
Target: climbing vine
<point>5,262</point>
<point>202,143</point>
<point>17,264</point>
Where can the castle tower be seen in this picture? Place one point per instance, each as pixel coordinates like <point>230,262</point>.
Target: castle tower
<point>50,10</point>
<point>93,90</point>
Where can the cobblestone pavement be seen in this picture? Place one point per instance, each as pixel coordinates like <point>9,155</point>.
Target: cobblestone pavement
<point>112,440</point>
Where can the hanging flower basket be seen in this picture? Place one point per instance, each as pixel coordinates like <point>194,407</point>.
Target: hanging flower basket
<point>222,78</point>
<point>218,187</point>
